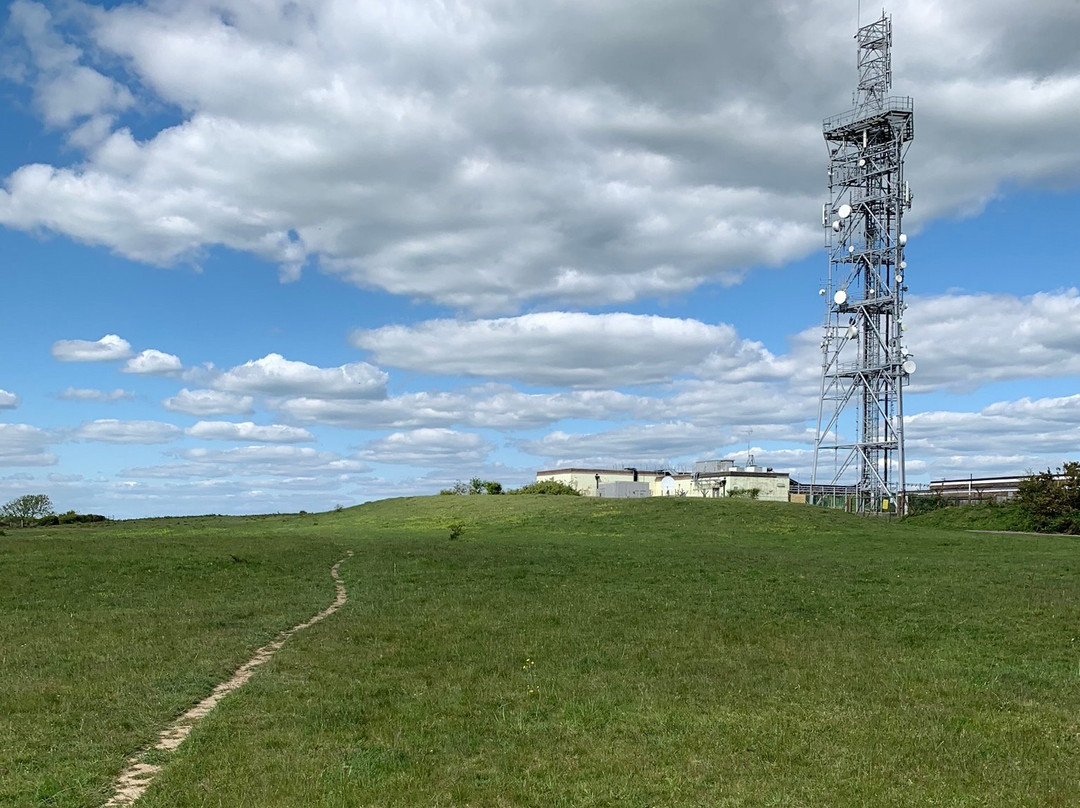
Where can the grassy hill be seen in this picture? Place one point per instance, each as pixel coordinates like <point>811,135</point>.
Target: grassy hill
<point>560,652</point>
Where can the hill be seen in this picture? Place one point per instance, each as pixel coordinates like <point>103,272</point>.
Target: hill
<point>559,651</point>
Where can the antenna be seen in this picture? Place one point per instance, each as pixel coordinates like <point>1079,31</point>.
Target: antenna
<point>864,368</point>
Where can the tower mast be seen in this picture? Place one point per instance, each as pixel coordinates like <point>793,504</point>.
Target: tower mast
<point>865,364</point>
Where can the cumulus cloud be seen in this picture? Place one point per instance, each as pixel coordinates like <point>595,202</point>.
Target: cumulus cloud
<point>65,90</point>
<point>106,349</point>
<point>9,401</point>
<point>209,402</point>
<point>489,154</point>
<point>110,430</point>
<point>247,431</point>
<point>656,444</point>
<point>25,445</point>
<point>428,447</point>
<point>154,363</point>
<point>274,375</point>
<point>965,341</point>
<point>491,406</point>
<point>90,394</point>
<point>276,460</point>
<point>556,348</point>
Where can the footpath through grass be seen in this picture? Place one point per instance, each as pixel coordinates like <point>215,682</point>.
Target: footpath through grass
<point>561,652</point>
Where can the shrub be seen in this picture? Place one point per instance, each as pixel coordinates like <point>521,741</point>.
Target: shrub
<point>554,487</point>
<point>1052,502</point>
<point>745,493</point>
<point>924,503</point>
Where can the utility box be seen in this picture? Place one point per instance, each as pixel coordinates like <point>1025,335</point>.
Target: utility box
<point>623,489</point>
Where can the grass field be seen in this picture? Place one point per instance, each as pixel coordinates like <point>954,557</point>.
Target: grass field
<point>561,652</point>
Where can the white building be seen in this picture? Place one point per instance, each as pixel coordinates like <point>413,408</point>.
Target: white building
<point>710,478</point>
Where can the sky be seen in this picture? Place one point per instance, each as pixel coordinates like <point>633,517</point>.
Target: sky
<point>265,256</point>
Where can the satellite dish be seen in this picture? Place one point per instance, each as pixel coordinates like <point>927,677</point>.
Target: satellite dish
<point>909,366</point>
<point>903,265</point>
<point>840,298</point>
<point>851,249</point>
<point>836,225</point>
<point>903,239</point>
<point>899,278</point>
<point>844,211</point>
<point>862,162</point>
<point>821,292</point>
<point>852,331</point>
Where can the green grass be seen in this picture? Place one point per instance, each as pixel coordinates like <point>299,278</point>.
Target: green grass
<point>559,652</point>
<point>984,516</point>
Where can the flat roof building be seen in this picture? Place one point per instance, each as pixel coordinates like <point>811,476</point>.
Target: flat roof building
<point>710,478</point>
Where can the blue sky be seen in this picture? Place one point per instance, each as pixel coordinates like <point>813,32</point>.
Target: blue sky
<point>262,257</point>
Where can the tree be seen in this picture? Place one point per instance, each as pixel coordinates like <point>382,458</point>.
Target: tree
<point>28,506</point>
<point>1052,501</point>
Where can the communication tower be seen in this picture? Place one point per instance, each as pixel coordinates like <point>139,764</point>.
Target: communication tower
<point>865,364</point>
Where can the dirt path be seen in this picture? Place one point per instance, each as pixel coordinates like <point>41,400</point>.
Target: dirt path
<point>138,773</point>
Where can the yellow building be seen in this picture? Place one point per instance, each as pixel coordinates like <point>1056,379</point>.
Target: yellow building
<point>710,478</point>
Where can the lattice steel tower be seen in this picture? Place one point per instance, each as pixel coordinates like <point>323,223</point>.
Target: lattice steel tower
<point>860,431</point>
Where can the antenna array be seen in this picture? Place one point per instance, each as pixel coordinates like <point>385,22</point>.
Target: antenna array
<point>865,364</point>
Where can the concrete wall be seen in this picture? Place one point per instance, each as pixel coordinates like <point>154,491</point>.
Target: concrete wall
<point>584,480</point>
<point>624,489</point>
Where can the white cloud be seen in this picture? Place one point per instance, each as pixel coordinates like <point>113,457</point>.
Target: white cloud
<point>428,447</point>
<point>657,444</point>
<point>276,460</point>
<point>273,375</point>
<point>484,155</point>
<point>110,430</point>
<point>492,406</point>
<point>209,402</point>
<point>25,445</point>
<point>89,394</point>
<point>555,348</point>
<point>154,363</point>
<point>65,91</point>
<point>106,349</point>
<point>9,401</point>
<point>247,431</point>
<point>965,341</point>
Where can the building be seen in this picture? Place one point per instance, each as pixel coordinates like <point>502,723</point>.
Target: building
<point>973,490</point>
<point>710,478</point>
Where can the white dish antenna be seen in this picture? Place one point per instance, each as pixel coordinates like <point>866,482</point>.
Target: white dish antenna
<point>844,211</point>
<point>836,225</point>
<point>840,298</point>
<point>903,239</point>
<point>852,331</point>
<point>909,366</point>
